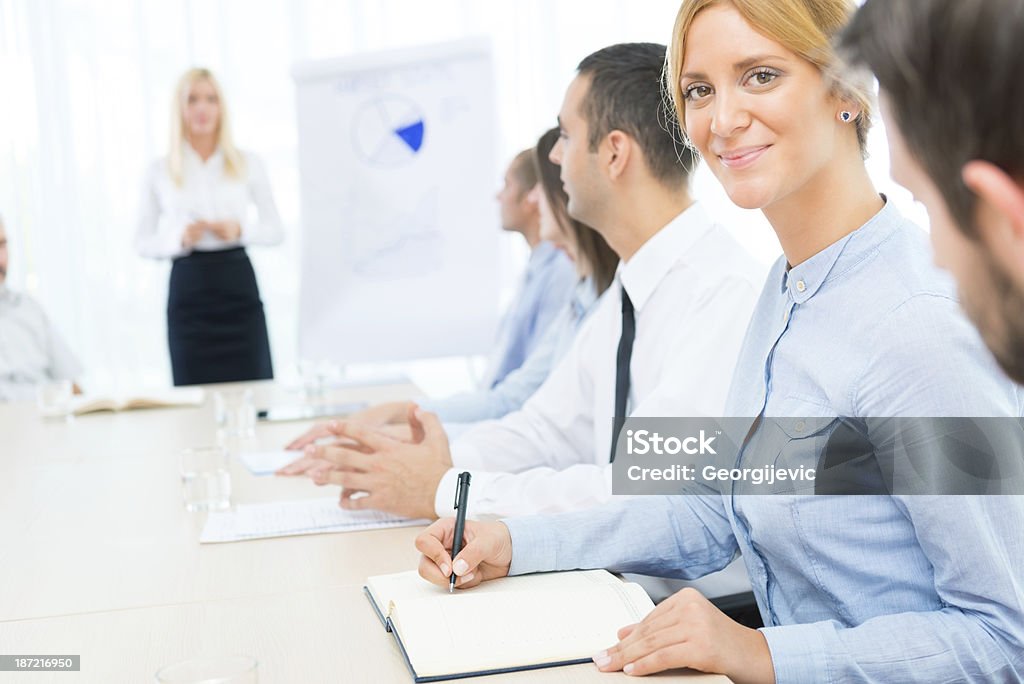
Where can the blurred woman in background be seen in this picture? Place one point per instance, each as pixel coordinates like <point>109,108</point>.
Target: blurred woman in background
<point>202,205</point>
<point>594,259</point>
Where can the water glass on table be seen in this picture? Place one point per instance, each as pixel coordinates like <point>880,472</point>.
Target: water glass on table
<point>235,412</point>
<point>315,375</point>
<point>54,398</point>
<point>205,479</point>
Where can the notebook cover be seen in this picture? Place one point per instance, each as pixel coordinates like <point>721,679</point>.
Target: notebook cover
<point>373,604</point>
<point>480,673</point>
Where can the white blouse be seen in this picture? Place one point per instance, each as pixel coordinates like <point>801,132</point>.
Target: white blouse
<point>206,194</point>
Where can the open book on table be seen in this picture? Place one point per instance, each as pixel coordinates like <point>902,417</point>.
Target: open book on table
<point>505,625</point>
<point>167,398</point>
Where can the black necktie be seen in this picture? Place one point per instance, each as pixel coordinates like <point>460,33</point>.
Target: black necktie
<point>622,359</point>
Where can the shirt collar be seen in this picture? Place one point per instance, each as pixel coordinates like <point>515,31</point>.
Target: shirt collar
<point>540,257</point>
<point>544,252</point>
<point>642,274</point>
<point>583,297</point>
<point>804,281</point>
<point>191,154</point>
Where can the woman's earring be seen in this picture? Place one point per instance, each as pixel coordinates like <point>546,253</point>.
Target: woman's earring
<point>845,116</point>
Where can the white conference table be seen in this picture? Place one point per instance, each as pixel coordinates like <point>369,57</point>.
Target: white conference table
<point>99,557</point>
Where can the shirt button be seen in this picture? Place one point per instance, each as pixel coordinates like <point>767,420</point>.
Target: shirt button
<point>800,425</point>
<point>801,286</point>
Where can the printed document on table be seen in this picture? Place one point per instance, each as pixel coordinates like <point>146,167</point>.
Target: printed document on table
<point>287,518</point>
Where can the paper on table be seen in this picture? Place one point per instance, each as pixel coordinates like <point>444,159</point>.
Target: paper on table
<point>287,518</point>
<point>267,462</point>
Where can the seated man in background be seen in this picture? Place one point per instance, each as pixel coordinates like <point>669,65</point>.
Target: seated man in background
<point>546,287</point>
<point>31,350</point>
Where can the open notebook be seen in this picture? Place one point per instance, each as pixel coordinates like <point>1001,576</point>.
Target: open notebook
<point>510,624</point>
<point>166,398</point>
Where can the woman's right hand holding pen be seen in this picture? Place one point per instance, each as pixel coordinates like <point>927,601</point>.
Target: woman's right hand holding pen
<point>486,554</point>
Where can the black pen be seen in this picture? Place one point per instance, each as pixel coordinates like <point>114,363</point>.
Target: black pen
<point>461,498</point>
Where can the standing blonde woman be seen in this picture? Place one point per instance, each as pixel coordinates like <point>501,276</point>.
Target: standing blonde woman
<point>201,206</point>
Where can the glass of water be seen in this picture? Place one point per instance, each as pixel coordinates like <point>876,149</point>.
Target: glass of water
<point>205,479</point>
<point>211,670</point>
<point>235,412</point>
<point>54,398</point>
<point>314,375</point>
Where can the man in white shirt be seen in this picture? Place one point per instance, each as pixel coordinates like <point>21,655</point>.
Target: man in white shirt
<point>31,350</point>
<point>685,289</point>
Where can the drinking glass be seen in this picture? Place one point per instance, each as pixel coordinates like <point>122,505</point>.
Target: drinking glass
<point>235,412</point>
<point>54,398</point>
<point>205,479</point>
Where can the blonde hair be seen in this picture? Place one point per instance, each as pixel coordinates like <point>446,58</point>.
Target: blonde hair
<point>805,27</point>
<point>234,163</point>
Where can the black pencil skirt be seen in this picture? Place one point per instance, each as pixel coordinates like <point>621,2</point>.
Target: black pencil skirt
<point>216,329</point>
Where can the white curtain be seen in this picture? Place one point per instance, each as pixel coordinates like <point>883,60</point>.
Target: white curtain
<point>87,88</point>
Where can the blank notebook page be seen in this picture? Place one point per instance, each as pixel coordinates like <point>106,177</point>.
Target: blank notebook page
<point>471,633</point>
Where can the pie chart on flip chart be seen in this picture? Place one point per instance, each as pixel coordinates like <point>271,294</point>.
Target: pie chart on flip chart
<point>388,131</point>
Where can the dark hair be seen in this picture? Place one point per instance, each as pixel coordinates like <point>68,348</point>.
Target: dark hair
<point>626,94</point>
<point>599,258</point>
<point>951,71</point>
<point>522,169</point>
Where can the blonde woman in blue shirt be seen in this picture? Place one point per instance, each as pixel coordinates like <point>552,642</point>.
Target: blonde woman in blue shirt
<point>201,206</point>
<point>854,322</point>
